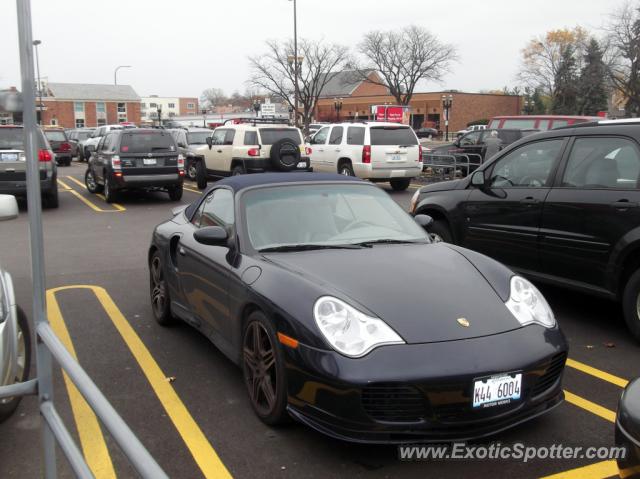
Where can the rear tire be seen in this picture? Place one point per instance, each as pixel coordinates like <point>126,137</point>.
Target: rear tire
<point>50,199</point>
<point>109,194</point>
<point>201,175</point>
<point>91,184</point>
<point>175,193</point>
<point>67,162</point>
<point>9,405</point>
<point>237,170</point>
<point>346,169</point>
<point>440,232</point>
<point>159,291</point>
<point>631,304</point>
<point>400,184</point>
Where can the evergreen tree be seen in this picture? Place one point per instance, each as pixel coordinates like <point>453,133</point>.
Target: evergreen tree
<point>539,108</point>
<point>565,96</point>
<point>592,92</point>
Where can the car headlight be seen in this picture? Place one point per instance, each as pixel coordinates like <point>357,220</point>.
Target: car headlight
<point>414,201</point>
<point>349,331</point>
<point>528,305</point>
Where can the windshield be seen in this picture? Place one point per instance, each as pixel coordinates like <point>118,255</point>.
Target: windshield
<point>198,138</point>
<point>325,215</point>
<point>147,142</point>
<point>391,135</point>
<point>55,135</point>
<point>270,135</point>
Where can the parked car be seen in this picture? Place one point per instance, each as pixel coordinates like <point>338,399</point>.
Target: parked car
<point>561,206</point>
<point>129,159</point>
<point>377,151</point>
<point>469,129</point>
<point>282,273</point>
<point>627,433</point>
<point>313,127</point>
<point>91,143</point>
<point>64,149</point>
<point>251,145</point>
<point>425,132</point>
<point>538,122</point>
<point>188,140</point>
<point>15,333</point>
<point>13,166</point>
<point>79,136</point>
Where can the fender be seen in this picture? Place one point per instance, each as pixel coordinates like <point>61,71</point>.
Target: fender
<point>618,260</point>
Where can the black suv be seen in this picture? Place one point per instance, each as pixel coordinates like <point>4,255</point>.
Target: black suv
<point>136,158</point>
<point>561,206</point>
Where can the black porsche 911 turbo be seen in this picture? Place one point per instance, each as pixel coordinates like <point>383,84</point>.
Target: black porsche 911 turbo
<point>344,316</point>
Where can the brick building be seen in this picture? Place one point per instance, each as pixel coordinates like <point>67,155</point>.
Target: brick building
<point>358,96</point>
<point>77,105</point>
<point>170,107</point>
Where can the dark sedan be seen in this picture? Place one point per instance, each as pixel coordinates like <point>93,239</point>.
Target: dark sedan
<point>315,285</point>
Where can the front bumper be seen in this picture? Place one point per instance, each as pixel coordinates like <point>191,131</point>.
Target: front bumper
<point>373,172</point>
<point>422,392</point>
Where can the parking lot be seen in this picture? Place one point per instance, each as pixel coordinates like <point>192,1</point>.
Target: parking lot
<point>187,403</point>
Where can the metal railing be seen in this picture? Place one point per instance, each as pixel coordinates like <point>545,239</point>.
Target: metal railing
<point>449,166</point>
<point>48,346</point>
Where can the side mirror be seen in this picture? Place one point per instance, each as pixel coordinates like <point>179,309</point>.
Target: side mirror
<point>477,179</point>
<point>211,235</point>
<point>209,141</point>
<point>424,220</point>
<point>457,142</point>
<point>8,207</point>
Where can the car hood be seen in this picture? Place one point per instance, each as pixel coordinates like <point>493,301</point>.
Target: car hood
<point>419,290</point>
<point>441,186</point>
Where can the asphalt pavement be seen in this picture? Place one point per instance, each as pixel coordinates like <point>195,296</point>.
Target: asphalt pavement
<point>187,402</point>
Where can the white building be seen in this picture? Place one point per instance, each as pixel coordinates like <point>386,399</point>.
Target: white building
<point>170,107</point>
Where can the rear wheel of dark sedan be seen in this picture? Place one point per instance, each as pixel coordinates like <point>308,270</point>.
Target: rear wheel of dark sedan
<point>631,304</point>
<point>90,182</point>
<point>263,370</point>
<point>160,302</point>
<point>175,193</point>
<point>9,405</point>
<point>400,184</point>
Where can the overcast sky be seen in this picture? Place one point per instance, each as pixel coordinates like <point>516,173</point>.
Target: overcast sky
<point>179,48</point>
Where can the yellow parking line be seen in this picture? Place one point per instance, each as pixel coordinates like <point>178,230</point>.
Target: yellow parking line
<point>599,470</point>
<point>118,208</point>
<point>92,440</point>
<point>605,376</point>
<point>201,450</point>
<point>592,407</point>
<point>192,190</point>
<point>64,186</point>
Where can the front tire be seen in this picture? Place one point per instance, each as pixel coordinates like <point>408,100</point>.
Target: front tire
<point>9,405</point>
<point>400,184</point>
<point>631,304</point>
<point>263,370</point>
<point>440,232</point>
<point>192,170</point>
<point>160,300</point>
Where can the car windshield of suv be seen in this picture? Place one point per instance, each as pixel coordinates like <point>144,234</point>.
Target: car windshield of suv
<point>11,138</point>
<point>314,216</point>
<point>135,142</point>
<point>198,138</point>
<point>392,135</point>
<point>270,135</point>
<point>55,135</point>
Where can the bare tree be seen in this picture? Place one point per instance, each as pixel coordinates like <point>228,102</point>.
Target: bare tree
<point>623,35</point>
<point>273,72</point>
<point>212,97</point>
<point>403,58</point>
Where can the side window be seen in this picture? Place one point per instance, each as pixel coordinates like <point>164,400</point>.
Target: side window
<point>602,163</point>
<point>529,166</point>
<point>228,138</point>
<point>336,135</point>
<point>215,210</point>
<point>355,135</point>
<point>320,138</point>
<point>100,146</point>
<point>250,138</point>
<point>470,138</point>
<point>218,137</point>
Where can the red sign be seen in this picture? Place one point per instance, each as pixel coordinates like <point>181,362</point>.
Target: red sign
<point>394,114</point>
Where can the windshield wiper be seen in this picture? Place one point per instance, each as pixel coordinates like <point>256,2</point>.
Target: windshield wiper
<point>388,241</point>
<point>307,247</point>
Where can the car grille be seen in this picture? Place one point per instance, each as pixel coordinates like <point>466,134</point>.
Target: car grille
<point>551,375</point>
<point>394,403</point>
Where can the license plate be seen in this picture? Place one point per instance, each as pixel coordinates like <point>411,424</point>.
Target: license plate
<point>396,158</point>
<point>9,157</point>
<point>497,390</point>
<point>149,161</point>
<point>302,164</point>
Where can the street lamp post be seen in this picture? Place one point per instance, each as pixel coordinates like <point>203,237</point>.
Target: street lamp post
<point>204,117</point>
<point>337,105</point>
<point>447,103</point>
<point>295,61</point>
<point>35,44</point>
<point>159,109</point>
<point>115,73</point>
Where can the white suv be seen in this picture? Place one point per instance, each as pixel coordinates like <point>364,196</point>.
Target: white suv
<point>376,151</point>
<point>250,145</point>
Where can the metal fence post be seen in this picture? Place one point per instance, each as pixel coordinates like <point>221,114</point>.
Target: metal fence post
<point>43,356</point>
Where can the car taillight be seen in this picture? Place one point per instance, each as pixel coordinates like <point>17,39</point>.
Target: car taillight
<point>307,150</point>
<point>65,146</point>
<point>366,154</point>
<point>254,152</point>
<point>44,155</point>
<point>116,164</point>
<point>420,153</point>
<point>180,162</point>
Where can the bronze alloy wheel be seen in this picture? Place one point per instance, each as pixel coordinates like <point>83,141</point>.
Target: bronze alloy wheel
<point>158,288</point>
<point>21,362</point>
<point>260,368</point>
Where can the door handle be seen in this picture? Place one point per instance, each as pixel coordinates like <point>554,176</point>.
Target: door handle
<point>182,251</point>
<point>337,149</point>
<point>219,151</point>
<point>624,204</point>
<point>529,200</point>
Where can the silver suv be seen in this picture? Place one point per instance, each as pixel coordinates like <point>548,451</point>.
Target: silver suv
<point>251,145</point>
<point>13,165</point>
